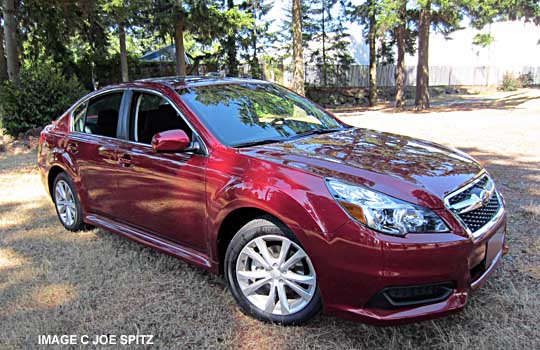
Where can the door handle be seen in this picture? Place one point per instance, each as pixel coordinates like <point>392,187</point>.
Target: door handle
<point>72,147</point>
<point>125,161</point>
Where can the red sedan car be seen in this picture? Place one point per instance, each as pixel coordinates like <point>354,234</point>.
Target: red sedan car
<point>298,210</point>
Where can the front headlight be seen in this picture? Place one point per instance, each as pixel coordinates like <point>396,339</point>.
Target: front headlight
<point>384,213</point>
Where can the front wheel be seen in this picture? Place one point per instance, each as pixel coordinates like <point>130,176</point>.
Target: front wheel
<point>270,275</point>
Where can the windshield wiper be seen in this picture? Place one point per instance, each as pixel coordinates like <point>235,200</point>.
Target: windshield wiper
<point>256,143</point>
<point>302,134</point>
<point>316,132</point>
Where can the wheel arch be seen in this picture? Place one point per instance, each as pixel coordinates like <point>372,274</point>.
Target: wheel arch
<point>51,176</point>
<point>233,222</point>
<point>297,215</point>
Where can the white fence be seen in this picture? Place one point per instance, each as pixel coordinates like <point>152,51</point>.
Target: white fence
<point>358,75</point>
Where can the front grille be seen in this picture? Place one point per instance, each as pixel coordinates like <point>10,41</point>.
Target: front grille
<point>466,204</point>
<point>478,218</point>
<point>461,196</point>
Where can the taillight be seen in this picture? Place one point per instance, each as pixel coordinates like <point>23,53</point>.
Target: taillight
<point>41,137</point>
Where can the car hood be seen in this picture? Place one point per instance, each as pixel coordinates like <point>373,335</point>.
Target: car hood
<point>414,170</point>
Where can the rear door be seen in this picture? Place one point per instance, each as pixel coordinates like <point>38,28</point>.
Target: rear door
<point>92,146</point>
<point>161,193</point>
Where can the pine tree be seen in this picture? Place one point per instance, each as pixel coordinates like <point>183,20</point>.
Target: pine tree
<point>445,15</point>
<point>298,54</point>
<point>230,46</point>
<point>208,23</point>
<point>256,36</point>
<point>326,33</point>
<point>10,38</point>
<point>122,15</point>
<point>367,14</point>
<point>400,34</point>
<point>3,63</point>
<point>422,69</point>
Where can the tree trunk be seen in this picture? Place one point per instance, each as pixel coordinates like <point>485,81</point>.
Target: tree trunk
<point>298,54</point>
<point>372,42</point>
<point>323,27</point>
<point>10,37</point>
<point>123,53</point>
<point>401,32</point>
<point>3,64</point>
<point>179,45</point>
<point>422,68</point>
<point>232,62</point>
<point>255,66</point>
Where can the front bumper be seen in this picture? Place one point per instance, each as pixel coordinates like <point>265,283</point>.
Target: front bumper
<point>357,264</point>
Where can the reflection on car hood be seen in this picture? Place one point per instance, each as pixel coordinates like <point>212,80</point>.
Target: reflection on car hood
<point>415,170</point>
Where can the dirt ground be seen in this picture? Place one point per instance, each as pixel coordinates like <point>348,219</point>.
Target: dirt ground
<point>56,282</point>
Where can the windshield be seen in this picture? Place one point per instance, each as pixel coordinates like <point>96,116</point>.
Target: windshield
<point>250,113</point>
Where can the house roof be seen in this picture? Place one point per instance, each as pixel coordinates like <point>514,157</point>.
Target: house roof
<point>164,54</point>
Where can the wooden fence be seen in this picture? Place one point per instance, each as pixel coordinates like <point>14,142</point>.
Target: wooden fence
<point>358,75</point>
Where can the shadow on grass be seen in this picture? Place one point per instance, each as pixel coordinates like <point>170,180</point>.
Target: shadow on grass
<point>96,282</point>
<point>507,103</point>
<point>450,103</point>
<point>25,161</point>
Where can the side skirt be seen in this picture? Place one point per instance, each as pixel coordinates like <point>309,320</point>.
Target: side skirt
<point>189,255</point>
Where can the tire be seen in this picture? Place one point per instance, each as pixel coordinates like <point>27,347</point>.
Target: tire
<point>265,285</point>
<point>70,214</point>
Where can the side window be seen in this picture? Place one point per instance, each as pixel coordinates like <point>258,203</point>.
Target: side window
<point>79,115</point>
<point>102,114</point>
<point>151,114</point>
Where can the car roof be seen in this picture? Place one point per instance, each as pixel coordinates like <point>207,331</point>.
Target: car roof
<point>177,82</point>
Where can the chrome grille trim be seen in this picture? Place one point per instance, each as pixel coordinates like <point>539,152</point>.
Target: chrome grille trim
<point>458,203</point>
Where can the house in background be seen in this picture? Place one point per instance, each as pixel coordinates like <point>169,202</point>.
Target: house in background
<point>164,54</point>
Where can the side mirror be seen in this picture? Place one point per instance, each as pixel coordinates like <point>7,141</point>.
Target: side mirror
<point>170,141</point>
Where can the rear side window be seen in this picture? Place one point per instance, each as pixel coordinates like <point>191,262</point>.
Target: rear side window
<point>79,116</point>
<point>102,115</point>
<point>151,114</point>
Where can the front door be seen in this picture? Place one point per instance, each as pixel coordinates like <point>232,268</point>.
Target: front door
<point>161,193</point>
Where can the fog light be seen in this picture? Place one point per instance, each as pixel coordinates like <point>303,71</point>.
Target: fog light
<point>403,296</point>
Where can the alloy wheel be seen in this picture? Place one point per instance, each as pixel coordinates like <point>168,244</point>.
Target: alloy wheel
<point>276,275</point>
<point>65,203</point>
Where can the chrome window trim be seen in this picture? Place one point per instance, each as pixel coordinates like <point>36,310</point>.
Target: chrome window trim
<point>72,117</point>
<point>87,98</point>
<point>492,222</point>
<point>136,121</point>
<point>94,135</point>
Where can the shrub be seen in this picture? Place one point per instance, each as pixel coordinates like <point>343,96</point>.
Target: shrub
<point>526,79</point>
<point>510,82</point>
<point>41,94</point>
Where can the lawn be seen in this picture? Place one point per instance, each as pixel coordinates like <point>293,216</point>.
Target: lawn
<point>56,282</point>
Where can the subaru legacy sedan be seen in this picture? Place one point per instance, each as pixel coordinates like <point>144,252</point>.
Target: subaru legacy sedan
<point>298,210</point>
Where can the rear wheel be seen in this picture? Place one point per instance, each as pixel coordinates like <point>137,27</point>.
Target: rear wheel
<point>67,203</point>
<point>270,275</point>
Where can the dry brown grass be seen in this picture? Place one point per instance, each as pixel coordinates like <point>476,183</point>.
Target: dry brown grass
<point>56,282</point>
